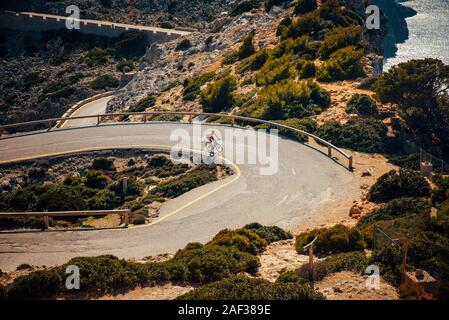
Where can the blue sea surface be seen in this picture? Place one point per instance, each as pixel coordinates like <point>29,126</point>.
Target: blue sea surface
<point>428,33</point>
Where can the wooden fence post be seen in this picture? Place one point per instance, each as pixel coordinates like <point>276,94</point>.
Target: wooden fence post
<point>350,166</point>
<point>310,247</point>
<point>98,120</point>
<point>329,151</point>
<point>126,219</point>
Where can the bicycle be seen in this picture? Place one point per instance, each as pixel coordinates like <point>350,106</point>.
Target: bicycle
<point>213,146</point>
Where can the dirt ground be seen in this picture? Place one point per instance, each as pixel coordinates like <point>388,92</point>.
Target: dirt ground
<point>165,292</point>
<point>348,285</point>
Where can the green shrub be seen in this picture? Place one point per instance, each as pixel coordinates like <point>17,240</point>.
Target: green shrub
<point>193,87</point>
<point>271,3</point>
<point>305,6</point>
<point>441,193</point>
<point>309,24</point>
<point>308,70</point>
<point>134,188</point>
<point>362,104</point>
<point>24,266</point>
<point>339,38</point>
<point>38,284</point>
<point>301,47</point>
<point>103,164</point>
<point>409,161</point>
<point>97,56</point>
<point>350,261</point>
<point>219,96</point>
<point>184,183</point>
<point>396,208</point>
<point>405,183</point>
<point>389,261</point>
<point>212,263</point>
<point>104,81</point>
<point>96,179</point>
<point>242,288</point>
<point>125,65</point>
<point>61,198</point>
<point>143,104</point>
<point>365,135</point>
<point>275,70</point>
<point>290,277</point>
<point>104,200</point>
<point>269,233</point>
<point>344,64</point>
<point>291,100</point>
<point>332,240</point>
<point>243,239</point>
<point>255,62</point>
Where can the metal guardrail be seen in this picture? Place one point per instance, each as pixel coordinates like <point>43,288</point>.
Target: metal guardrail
<point>145,115</point>
<point>47,214</point>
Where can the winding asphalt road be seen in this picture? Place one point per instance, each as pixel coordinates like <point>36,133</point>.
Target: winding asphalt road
<point>305,186</point>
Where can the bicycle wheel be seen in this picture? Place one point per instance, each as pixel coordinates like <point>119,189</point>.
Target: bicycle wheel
<point>218,147</point>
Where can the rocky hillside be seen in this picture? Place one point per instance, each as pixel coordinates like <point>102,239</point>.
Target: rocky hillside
<point>165,13</point>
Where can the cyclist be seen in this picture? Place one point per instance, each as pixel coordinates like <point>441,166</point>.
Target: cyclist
<point>211,136</point>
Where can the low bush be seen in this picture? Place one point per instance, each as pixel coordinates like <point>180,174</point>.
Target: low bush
<point>219,96</point>
<point>246,49</point>
<point>410,161</point>
<point>193,87</point>
<point>184,183</point>
<point>308,70</point>
<point>61,198</point>
<point>96,179</point>
<point>103,164</point>
<point>394,184</point>
<point>362,104</point>
<point>389,261</point>
<point>104,82</point>
<point>291,100</point>
<point>242,288</point>
<point>364,135</point>
<point>97,56</point>
<point>339,38</point>
<point>269,233</point>
<point>290,277</point>
<point>253,63</point>
<point>243,239</point>
<point>24,266</point>
<point>349,261</point>
<point>332,240</point>
<point>396,208</point>
<point>212,263</point>
<point>344,64</point>
<point>441,193</point>
<point>276,70</point>
<point>104,200</point>
<point>143,104</point>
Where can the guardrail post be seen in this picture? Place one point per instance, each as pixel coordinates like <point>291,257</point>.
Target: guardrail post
<point>50,125</point>
<point>126,219</point>
<point>1,132</point>
<point>350,166</point>
<point>98,120</point>
<point>329,151</point>
<point>145,118</point>
<point>233,121</point>
<point>46,222</point>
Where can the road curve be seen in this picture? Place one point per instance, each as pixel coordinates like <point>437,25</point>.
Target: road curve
<point>92,108</point>
<point>306,185</point>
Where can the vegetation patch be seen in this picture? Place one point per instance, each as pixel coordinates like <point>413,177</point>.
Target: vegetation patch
<point>243,288</point>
